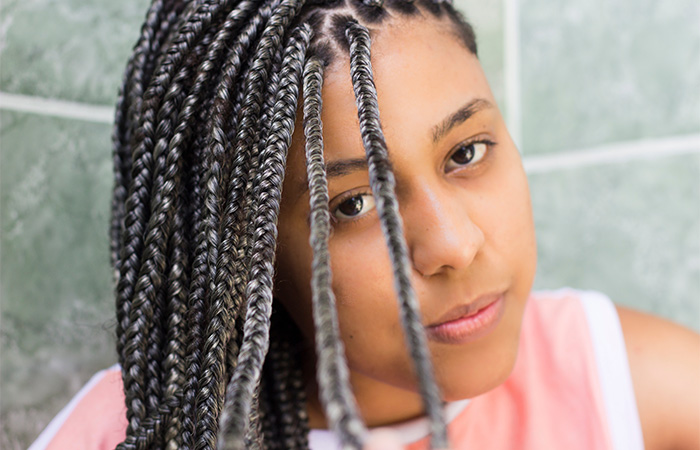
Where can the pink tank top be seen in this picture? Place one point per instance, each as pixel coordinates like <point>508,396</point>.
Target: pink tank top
<point>570,389</point>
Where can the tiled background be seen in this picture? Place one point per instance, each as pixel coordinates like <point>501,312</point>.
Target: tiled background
<point>602,96</point>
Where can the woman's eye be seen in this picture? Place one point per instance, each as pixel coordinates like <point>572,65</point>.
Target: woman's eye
<point>353,207</point>
<point>467,154</point>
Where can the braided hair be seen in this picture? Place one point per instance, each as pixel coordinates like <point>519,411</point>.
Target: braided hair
<point>203,123</point>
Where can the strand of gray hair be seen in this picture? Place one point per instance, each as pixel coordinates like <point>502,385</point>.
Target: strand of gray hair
<point>256,330</point>
<point>332,373</point>
<point>212,371</point>
<point>254,434</point>
<point>382,183</point>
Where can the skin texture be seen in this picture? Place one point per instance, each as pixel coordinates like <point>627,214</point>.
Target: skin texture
<point>468,226</point>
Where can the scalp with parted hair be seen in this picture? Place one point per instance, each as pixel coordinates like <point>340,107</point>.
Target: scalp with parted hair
<point>203,124</point>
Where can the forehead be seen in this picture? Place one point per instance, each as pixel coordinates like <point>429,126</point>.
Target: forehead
<point>423,73</point>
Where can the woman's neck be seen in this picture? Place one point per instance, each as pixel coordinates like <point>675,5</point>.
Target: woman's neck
<point>379,404</point>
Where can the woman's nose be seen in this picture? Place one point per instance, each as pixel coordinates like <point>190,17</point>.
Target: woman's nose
<point>440,234</point>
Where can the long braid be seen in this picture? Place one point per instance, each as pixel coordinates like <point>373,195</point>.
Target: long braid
<point>195,319</point>
<point>333,378</point>
<point>194,315</point>
<point>174,367</point>
<point>135,324</point>
<point>147,308</point>
<point>168,156</point>
<point>150,287</point>
<point>275,411</point>
<point>137,73</point>
<point>123,125</point>
<point>210,185</point>
<point>259,290</point>
<point>239,212</point>
<point>174,349</point>
<point>160,18</point>
<point>254,435</point>
<point>382,183</point>
<point>282,367</point>
<point>186,215</point>
<point>211,379</point>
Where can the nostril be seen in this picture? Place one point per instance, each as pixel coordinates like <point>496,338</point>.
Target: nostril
<point>444,248</point>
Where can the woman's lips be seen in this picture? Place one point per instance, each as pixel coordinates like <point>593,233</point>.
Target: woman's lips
<point>469,322</point>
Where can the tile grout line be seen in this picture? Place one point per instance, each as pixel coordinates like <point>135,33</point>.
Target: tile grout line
<point>56,108</point>
<point>614,153</point>
<point>570,159</point>
<point>511,70</point>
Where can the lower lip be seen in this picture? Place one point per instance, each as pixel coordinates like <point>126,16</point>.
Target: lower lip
<point>468,328</point>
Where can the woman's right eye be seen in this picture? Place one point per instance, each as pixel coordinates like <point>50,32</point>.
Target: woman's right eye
<point>354,206</point>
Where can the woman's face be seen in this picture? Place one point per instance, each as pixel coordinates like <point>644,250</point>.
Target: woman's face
<point>466,211</point>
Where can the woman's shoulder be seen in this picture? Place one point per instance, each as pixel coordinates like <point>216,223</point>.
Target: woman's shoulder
<point>94,419</point>
<point>567,319</point>
<point>664,360</point>
<point>660,358</point>
<point>570,386</point>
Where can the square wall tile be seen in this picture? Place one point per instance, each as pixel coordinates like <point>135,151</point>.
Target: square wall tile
<point>487,20</point>
<point>630,230</point>
<point>55,284</point>
<point>597,71</point>
<point>68,49</point>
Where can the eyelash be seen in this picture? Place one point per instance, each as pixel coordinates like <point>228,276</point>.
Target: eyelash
<point>487,142</point>
<point>335,220</point>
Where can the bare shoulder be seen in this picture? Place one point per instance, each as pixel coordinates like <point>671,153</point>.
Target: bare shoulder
<point>664,361</point>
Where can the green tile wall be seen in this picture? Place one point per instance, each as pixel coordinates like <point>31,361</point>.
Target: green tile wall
<point>630,230</point>
<point>487,20</point>
<point>67,49</point>
<point>595,71</point>
<point>55,181</point>
<point>55,285</point>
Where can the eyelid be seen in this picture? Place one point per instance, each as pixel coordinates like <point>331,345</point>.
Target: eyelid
<point>338,200</point>
<point>481,139</point>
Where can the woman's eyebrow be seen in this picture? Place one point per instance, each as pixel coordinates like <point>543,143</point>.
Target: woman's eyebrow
<point>338,168</point>
<point>342,167</point>
<point>440,130</point>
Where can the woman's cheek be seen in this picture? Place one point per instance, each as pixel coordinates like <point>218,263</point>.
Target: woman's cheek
<point>364,289</point>
<point>360,265</point>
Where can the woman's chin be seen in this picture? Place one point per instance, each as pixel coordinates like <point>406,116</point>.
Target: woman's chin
<point>455,391</point>
<point>471,380</point>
